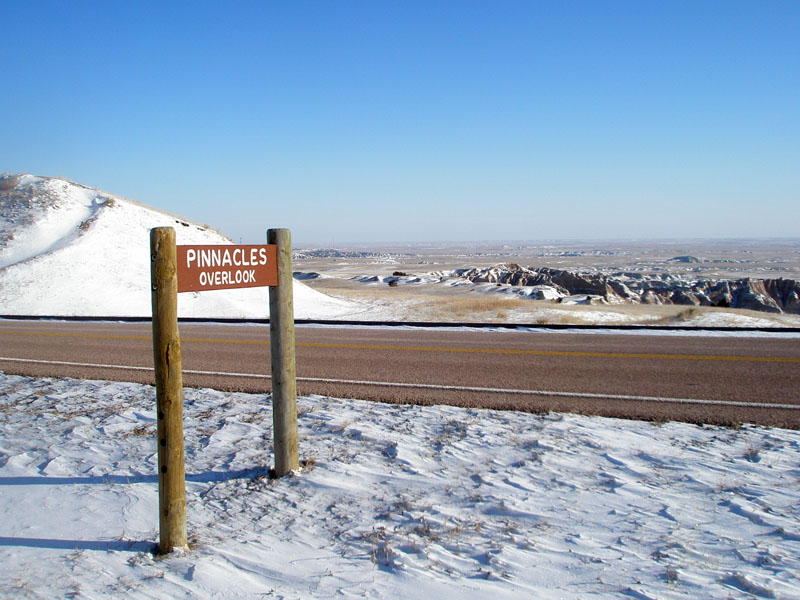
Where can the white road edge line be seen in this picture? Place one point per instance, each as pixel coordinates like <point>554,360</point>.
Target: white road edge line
<point>431,386</point>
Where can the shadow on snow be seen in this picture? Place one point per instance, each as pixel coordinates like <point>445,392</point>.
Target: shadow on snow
<point>210,477</point>
<point>112,545</point>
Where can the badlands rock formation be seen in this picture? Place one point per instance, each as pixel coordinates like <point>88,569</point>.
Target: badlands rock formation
<point>768,295</point>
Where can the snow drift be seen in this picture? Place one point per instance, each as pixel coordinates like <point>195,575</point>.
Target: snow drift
<point>67,249</point>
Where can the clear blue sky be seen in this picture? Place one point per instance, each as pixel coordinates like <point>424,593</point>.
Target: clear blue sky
<point>364,121</point>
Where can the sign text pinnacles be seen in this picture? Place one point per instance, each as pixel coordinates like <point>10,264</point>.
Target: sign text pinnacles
<point>204,268</point>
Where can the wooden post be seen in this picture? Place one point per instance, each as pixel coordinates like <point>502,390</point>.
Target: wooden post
<point>169,390</point>
<point>281,334</point>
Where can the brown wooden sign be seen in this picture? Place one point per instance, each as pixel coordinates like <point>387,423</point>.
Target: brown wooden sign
<point>203,268</point>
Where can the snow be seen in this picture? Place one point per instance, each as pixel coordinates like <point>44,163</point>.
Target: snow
<point>71,250</point>
<point>42,223</point>
<point>731,319</point>
<point>396,501</point>
<point>662,332</point>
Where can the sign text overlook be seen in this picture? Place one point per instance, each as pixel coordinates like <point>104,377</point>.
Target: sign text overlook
<point>202,268</point>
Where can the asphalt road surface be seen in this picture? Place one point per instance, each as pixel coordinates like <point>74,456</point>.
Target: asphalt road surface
<point>703,379</point>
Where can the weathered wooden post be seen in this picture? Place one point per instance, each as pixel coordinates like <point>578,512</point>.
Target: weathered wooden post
<point>169,390</point>
<point>281,334</point>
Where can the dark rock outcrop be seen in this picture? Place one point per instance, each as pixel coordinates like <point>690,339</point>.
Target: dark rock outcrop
<point>767,295</point>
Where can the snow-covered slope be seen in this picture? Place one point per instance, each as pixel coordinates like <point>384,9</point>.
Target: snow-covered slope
<point>66,249</point>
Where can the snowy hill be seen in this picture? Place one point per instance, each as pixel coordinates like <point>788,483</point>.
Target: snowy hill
<point>66,249</point>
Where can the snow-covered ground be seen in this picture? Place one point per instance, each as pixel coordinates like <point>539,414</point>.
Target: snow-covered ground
<point>66,249</point>
<point>398,501</point>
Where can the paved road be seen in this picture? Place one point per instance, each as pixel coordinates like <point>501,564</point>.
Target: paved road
<point>701,379</point>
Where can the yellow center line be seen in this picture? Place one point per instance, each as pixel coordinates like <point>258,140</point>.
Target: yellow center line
<point>98,336</point>
<point>512,352</point>
<point>554,353</point>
